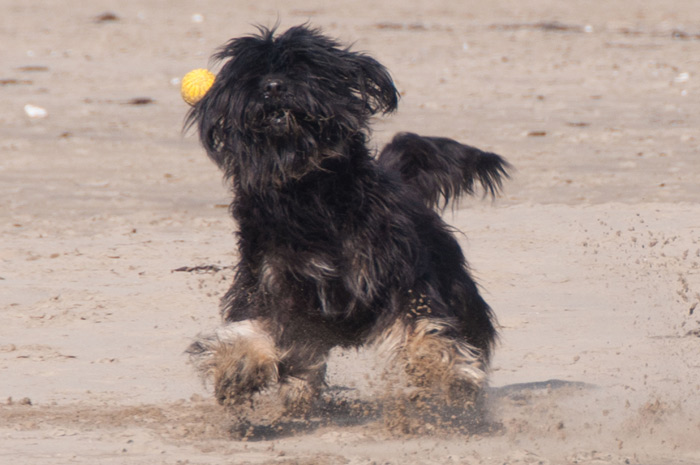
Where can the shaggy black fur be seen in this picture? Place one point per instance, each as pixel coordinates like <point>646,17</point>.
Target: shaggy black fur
<point>337,247</point>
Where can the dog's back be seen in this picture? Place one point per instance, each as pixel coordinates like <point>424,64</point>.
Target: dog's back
<point>442,169</point>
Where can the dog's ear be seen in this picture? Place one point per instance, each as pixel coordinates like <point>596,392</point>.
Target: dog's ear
<point>375,85</point>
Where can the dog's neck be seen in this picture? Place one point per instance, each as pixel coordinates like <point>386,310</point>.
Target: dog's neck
<point>323,196</point>
<point>281,171</point>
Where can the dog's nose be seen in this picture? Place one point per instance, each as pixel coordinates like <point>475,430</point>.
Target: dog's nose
<point>273,87</point>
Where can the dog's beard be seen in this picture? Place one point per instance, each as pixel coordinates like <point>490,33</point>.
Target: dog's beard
<point>284,139</point>
<point>276,120</point>
<point>282,121</point>
<point>302,116</point>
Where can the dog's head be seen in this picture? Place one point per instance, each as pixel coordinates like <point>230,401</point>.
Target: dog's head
<point>282,103</point>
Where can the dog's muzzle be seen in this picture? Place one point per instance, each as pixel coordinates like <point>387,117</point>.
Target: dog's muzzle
<point>274,93</point>
<point>279,121</point>
<point>279,117</point>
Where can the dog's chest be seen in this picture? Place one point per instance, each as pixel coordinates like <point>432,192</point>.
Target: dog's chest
<point>301,235</point>
<point>334,243</point>
<point>303,219</point>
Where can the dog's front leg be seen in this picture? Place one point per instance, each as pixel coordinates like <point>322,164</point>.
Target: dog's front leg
<point>299,391</point>
<point>240,359</point>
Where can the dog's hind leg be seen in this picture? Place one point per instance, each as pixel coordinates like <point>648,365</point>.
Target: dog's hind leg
<point>240,359</point>
<point>437,359</point>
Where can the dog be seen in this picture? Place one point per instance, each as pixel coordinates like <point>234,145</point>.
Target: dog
<point>338,246</point>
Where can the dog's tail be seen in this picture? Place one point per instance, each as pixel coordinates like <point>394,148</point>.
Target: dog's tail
<point>442,169</point>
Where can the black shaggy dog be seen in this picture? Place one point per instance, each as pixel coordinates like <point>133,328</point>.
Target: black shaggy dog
<point>338,247</point>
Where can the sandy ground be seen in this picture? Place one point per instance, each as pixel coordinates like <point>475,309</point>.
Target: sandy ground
<point>591,259</point>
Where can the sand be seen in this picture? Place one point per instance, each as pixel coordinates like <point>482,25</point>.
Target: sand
<point>590,259</point>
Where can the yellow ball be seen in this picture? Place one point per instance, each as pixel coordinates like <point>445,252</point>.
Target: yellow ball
<point>195,85</point>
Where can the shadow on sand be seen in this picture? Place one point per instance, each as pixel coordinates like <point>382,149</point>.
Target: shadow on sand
<point>394,414</point>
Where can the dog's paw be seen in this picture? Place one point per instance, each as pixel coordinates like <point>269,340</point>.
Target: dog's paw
<point>300,392</point>
<point>240,370</point>
<point>240,359</point>
<point>298,396</point>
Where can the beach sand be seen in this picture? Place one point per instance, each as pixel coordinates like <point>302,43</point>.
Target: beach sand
<point>590,258</point>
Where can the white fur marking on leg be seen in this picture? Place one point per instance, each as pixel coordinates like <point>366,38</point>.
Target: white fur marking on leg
<point>240,359</point>
<point>426,338</point>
